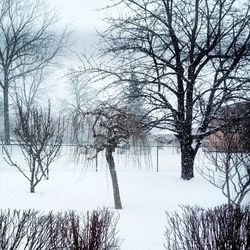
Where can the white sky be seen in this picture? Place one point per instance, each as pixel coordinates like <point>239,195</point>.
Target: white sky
<point>84,19</point>
<point>81,14</point>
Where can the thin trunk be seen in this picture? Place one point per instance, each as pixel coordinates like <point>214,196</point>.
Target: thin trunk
<point>47,173</point>
<point>6,114</point>
<point>227,169</point>
<point>116,192</point>
<point>32,179</point>
<point>187,161</point>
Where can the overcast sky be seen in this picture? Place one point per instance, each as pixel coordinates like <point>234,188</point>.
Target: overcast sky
<point>81,14</point>
<point>84,19</point>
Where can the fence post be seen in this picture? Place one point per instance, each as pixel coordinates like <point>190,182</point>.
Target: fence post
<point>157,158</point>
<point>96,163</point>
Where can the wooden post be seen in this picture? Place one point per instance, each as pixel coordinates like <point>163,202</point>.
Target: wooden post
<point>157,158</point>
<point>96,163</point>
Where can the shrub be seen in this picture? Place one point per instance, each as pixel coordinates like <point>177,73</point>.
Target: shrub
<point>222,228</point>
<point>29,230</point>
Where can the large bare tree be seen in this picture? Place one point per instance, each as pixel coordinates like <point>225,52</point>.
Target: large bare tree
<point>188,57</point>
<point>27,43</point>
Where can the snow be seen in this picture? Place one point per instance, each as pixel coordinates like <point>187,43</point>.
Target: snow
<point>145,193</point>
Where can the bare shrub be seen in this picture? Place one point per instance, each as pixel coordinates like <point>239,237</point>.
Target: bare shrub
<point>230,172</point>
<point>29,230</point>
<point>96,231</point>
<point>225,227</point>
<point>228,167</point>
<point>12,228</point>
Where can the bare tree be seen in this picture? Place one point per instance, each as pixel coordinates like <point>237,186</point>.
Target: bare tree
<point>28,88</point>
<point>27,43</point>
<point>83,95</point>
<point>110,127</point>
<point>229,172</point>
<point>40,139</point>
<point>188,57</point>
<point>228,166</point>
<point>134,98</point>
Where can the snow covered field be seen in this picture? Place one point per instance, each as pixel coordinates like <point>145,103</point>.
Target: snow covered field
<point>146,194</point>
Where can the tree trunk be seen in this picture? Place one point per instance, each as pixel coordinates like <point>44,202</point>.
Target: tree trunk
<point>32,189</point>
<point>227,172</point>
<point>187,161</point>
<point>6,114</point>
<point>116,192</point>
<point>32,178</point>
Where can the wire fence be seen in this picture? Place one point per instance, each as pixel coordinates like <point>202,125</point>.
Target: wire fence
<point>157,155</point>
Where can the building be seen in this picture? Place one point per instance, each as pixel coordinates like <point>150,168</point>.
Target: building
<point>234,134</point>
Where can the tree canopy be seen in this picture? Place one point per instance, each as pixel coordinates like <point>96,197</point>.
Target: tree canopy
<point>189,59</point>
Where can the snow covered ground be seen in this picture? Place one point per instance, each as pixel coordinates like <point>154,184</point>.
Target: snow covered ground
<point>146,194</point>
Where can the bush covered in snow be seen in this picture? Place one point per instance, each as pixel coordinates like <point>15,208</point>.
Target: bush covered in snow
<point>31,230</point>
<point>223,228</point>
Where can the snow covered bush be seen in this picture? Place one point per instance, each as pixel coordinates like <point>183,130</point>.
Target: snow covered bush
<point>29,230</point>
<point>225,227</point>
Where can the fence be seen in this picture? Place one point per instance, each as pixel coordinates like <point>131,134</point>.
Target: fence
<point>154,155</point>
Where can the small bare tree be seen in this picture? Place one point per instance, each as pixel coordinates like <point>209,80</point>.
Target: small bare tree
<point>229,166</point>
<point>40,139</point>
<point>110,127</point>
